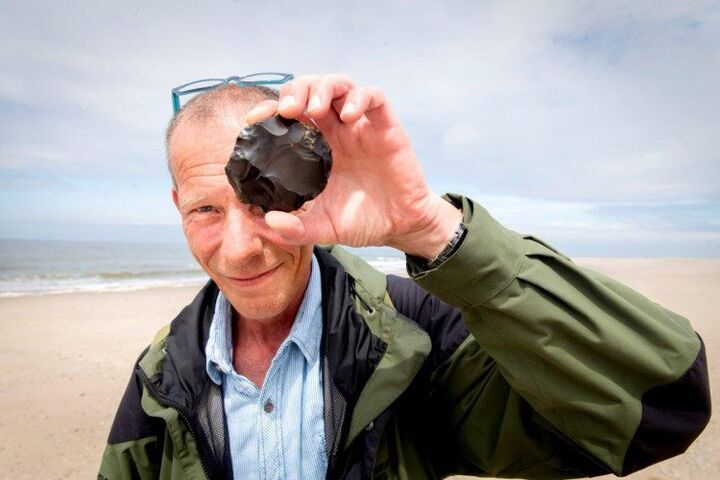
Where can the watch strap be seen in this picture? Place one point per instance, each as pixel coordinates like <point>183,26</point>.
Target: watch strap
<point>451,247</point>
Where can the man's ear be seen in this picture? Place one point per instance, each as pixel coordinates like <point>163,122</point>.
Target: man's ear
<point>176,201</point>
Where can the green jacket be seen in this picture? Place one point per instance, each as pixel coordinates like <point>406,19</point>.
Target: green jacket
<point>507,360</point>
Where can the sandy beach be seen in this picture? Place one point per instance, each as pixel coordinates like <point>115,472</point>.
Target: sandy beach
<point>66,359</point>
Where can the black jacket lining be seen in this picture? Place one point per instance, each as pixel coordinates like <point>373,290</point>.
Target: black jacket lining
<point>443,323</point>
<point>353,351</point>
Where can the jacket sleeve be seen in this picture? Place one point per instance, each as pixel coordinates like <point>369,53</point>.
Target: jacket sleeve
<point>566,372</point>
<point>134,446</point>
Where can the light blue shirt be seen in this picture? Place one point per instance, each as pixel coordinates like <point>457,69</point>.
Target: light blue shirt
<point>277,431</point>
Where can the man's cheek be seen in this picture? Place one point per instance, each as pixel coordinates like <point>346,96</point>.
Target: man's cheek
<point>203,239</point>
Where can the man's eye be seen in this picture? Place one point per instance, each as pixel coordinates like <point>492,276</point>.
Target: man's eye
<point>204,209</point>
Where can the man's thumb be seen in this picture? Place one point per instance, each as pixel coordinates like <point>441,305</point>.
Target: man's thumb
<point>288,226</point>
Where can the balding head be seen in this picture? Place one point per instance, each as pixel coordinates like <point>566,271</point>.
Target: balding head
<point>213,107</point>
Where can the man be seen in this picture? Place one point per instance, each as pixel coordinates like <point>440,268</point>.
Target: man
<point>298,363</point>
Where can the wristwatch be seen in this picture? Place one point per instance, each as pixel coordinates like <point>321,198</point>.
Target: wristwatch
<point>450,248</point>
<point>418,264</point>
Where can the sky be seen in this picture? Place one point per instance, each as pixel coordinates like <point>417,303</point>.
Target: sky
<point>594,125</point>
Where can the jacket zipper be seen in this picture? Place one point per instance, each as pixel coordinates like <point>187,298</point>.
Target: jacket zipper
<point>345,458</point>
<point>335,470</point>
<point>168,403</point>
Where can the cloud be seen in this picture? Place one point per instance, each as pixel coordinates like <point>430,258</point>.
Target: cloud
<point>687,216</point>
<point>569,103</point>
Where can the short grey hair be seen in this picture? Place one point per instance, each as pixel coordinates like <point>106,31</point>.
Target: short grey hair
<point>210,105</point>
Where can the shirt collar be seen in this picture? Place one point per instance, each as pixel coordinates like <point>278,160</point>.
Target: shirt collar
<point>305,331</point>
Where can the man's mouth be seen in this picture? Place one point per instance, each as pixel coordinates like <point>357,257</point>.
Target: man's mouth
<point>249,279</point>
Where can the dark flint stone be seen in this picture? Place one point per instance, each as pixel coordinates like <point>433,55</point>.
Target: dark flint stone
<point>279,164</point>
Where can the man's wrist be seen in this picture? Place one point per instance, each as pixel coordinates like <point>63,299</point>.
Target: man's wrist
<point>450,248</point>
<point>429,243</point>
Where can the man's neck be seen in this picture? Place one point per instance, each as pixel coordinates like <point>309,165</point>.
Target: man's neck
<point>266,334</point>
<point>255,342</point>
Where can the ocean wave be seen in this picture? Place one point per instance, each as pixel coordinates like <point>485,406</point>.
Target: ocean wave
<point>116,281</point>
<point>101,275</point>
<point>120,275</point>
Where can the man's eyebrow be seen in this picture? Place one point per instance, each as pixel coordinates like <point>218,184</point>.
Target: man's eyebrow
<point>194,199</point>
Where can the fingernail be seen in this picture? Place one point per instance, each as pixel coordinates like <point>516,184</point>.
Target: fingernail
<point>287,101</point>
<point>314,103</point>
<point>251,114</point>
<point>349,108</point>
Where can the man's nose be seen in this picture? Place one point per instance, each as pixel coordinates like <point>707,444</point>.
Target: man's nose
<point>241,235</point>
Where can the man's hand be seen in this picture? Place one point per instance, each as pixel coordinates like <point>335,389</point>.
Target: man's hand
<point>376,193</point>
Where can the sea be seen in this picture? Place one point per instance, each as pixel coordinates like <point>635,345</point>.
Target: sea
<point>37,267</point>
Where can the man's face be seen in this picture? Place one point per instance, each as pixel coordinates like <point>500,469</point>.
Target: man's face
<point>261,276</point>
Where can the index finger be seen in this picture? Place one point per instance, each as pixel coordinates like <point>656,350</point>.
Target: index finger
<point>261,111</point>
<point>268,108</point>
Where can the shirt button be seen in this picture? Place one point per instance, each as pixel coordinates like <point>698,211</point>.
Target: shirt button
<point>269,407</point>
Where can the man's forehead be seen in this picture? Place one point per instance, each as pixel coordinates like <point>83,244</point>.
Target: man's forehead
<point>225,121</point>
<point>200,169</point>
<point>197,142</point>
